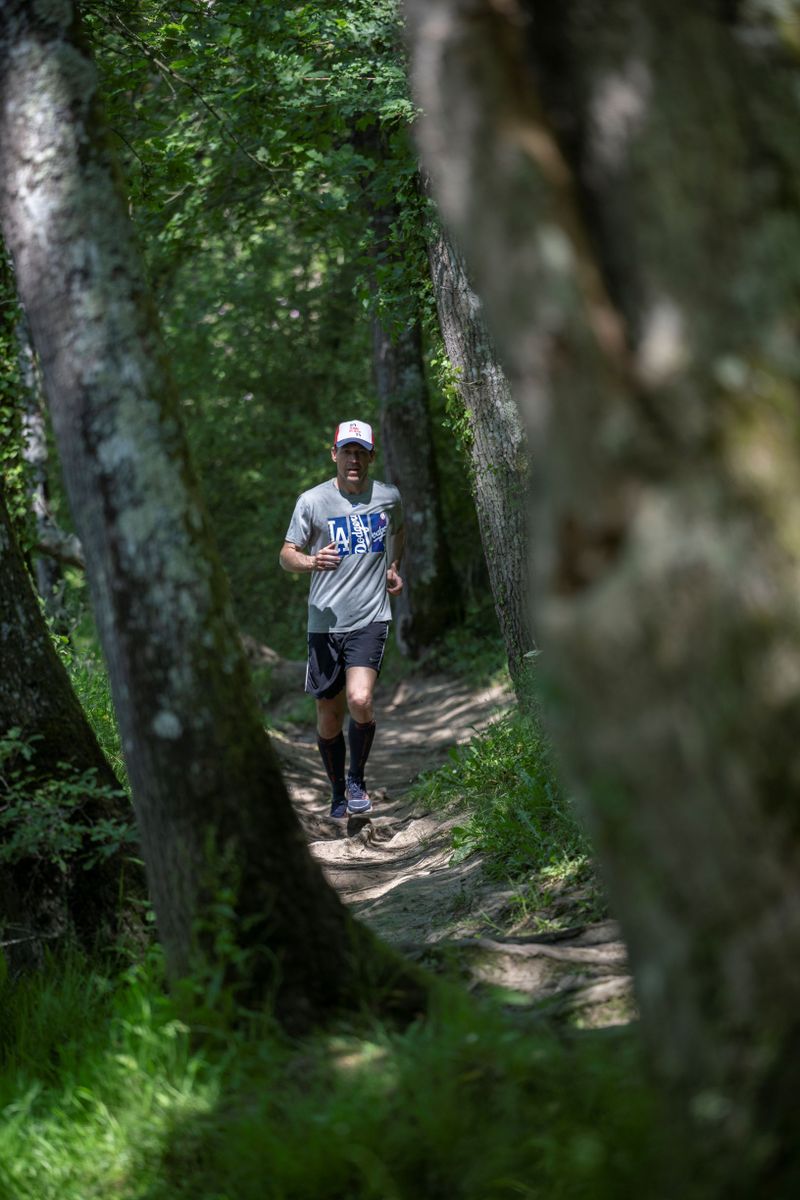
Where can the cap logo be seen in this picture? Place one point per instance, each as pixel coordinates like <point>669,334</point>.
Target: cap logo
<point>354,431</point>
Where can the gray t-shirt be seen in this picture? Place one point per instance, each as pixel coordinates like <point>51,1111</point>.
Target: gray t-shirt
<point>362,526</point>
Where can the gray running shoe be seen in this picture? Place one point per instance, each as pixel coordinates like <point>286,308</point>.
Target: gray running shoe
<point>339,807</point>
<point>358,800</point>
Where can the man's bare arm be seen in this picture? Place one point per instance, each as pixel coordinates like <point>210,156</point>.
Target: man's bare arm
<point>295,560</point>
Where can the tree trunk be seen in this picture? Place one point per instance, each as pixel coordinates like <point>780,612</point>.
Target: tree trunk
<point>623,180</point>
<point>497,449</point>
<point>46,565</point>
<point>36,697</point>
<point>431,602</point>
<point>232,881</point>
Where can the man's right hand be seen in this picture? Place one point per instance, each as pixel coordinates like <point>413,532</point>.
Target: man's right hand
<point>327,559</point>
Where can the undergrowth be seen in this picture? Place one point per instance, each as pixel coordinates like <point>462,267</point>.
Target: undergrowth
<point>104,1091</point>
<point>42,818</point>
<point>472,649</point>
<point>516,812</point>
<point>81,656</point>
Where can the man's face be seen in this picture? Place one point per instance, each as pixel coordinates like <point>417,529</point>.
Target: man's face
<point>352,466</point>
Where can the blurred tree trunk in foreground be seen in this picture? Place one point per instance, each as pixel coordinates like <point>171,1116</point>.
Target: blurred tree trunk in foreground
<point>37,898</point>
<point>496,446</point>
<point>624,180</point>
<point>233,884</point>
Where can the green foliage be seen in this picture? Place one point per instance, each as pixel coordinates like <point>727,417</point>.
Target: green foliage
<point>262,387</point>
<point>247,135</point>
<point>473,650</point>
<point>237,106</point>
<point>257,140</point>
<point>41,818</point>
<point>80,655</point>
<point>456,416</point>
<point>518,814</point>
<point>12,464</point>
<point>103,1091</point>
<point>451,436</point>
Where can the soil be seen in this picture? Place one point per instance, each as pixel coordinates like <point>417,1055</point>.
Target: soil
<point>396,868</point>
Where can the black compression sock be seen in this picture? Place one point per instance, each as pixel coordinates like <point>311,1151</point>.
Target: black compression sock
<point>360,738</point>
<point>332,751</point>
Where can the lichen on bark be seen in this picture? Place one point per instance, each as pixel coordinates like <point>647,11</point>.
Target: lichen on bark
<point>667,561</point>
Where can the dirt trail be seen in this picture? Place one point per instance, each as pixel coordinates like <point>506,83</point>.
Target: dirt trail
<point>394,866</point>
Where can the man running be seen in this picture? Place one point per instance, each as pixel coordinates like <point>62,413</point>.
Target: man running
<point>343,532</point>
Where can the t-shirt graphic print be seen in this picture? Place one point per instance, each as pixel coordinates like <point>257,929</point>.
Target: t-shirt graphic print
<point>359,533</point>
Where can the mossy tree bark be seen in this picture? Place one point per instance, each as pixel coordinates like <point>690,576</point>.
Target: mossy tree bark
<point>497,448</point>
<point>218,830</point>
<point>624,181</point>
<point>36,697</point>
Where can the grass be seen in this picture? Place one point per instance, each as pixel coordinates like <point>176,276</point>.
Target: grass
<point>518,817</point>
<point>103,1091</point>
<point>516,812</point>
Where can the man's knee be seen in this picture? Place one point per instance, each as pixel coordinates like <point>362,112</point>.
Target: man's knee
<point>359,701</point>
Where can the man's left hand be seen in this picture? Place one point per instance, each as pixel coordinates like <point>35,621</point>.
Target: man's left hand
<point>394,584</point>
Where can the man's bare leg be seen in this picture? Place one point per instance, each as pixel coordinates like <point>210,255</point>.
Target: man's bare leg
<point>360,687</point>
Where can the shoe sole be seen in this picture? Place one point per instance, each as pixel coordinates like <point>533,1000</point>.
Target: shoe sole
<point>358,812</point>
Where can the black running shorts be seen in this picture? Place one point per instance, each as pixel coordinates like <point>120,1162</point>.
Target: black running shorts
<point>330,654</point>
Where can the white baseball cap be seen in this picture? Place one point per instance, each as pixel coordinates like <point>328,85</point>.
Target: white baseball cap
<point>354,431</point>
